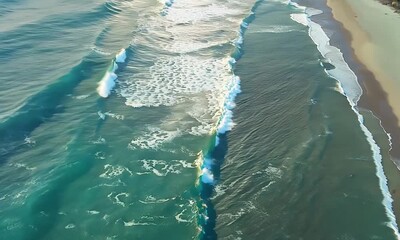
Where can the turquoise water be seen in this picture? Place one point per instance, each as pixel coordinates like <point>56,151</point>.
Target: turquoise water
<point>178,120</point>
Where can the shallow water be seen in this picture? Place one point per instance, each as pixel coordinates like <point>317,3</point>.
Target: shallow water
<point>116,123</point>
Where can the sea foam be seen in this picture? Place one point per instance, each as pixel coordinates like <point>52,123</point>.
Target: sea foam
<point>349,87</point>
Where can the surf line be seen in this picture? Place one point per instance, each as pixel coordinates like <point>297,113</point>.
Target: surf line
<point>107,83</point>
<point>350,88</point>
<point>210,160</point>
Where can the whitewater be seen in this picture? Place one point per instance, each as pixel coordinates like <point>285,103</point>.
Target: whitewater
<point>182,120</point>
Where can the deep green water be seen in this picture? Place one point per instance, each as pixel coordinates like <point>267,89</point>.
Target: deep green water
<point>160,157</point>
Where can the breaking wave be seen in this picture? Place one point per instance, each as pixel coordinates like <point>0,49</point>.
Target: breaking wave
<point>107,83</point>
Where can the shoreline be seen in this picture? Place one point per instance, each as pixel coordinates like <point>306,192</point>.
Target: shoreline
<point>379,90</point>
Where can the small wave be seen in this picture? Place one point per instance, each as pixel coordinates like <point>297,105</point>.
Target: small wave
<point>107,83</point>
<point>211,163</point>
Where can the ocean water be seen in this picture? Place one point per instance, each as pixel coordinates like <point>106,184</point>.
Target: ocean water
<point>182,120</point>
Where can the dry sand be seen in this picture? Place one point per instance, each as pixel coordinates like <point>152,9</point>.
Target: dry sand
<point>375,39</point>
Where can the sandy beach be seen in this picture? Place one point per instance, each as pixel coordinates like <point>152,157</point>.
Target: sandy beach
<point>374,39</point>
<point>373,30</point>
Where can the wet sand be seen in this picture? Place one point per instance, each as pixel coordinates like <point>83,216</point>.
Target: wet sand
<point>372,32</point>
<point>373,40</point>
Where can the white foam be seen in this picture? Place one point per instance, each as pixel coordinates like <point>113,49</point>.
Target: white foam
<point>114,171</point>
<point>173,80</point>
<point>190,77</point>
<point>342,71</point>
<point>23,165</point>
<point>110,114</point>
<point>29,141</point>
<point>387,197</point>
<point>219,191</point>
<point>348,83</point>
<point>101,115</point>
<point>121,56</point>
<point>99,141</point>
<point>301,18</point>
<point>179,218</point>
<point>70,226</point>
<point>207,176</point>
<point>198,13</point>
<point>134,223</point>
<point>116,198</point>
<point>226,123</point>
<point>93,212</point>
<point>153,138</point>
<point>152,200</point>
<point>161,168</point>
<point>115,116</point>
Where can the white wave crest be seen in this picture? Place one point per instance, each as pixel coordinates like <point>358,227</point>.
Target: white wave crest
<point>107,83</point>
<point>121,56</point>
<point>349,87</point>
<point>226,123</point>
